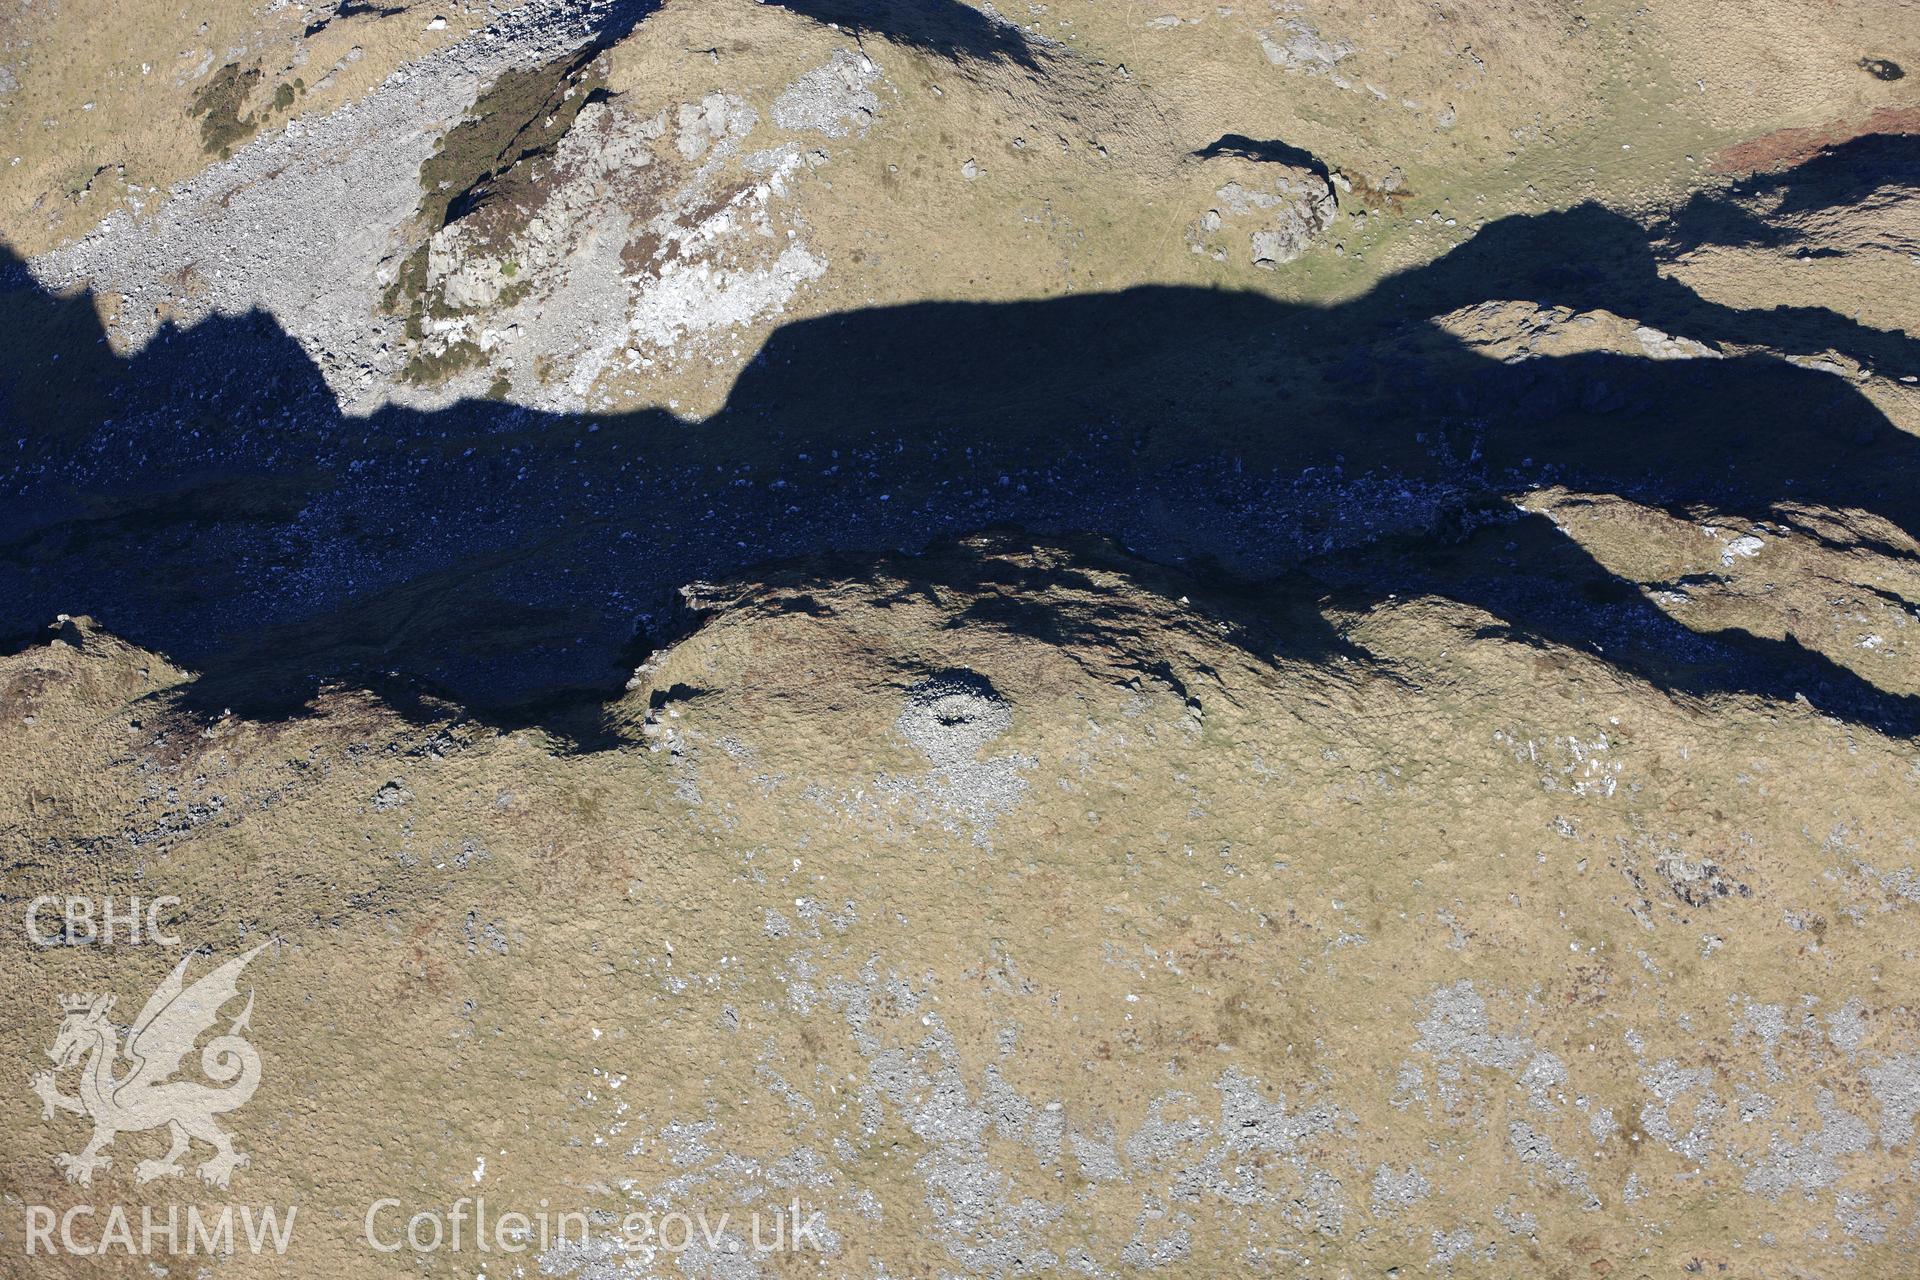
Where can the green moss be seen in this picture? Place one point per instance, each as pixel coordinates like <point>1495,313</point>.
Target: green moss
<point>407,295</point>
<point>500,389</point>
<point>283,97</point>
<point>522,117</point>
<point>438,307</point>
<point>487,164</point>
<point>218,102</point>
<point>431,370</point>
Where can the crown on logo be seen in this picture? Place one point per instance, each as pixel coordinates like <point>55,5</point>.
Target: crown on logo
<point>76,1003</point>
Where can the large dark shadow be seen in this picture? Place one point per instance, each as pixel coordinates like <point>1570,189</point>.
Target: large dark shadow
<point>1268,151</point>
<point>1841,176</point>
<point>206,498</point>
<point>949,28</point>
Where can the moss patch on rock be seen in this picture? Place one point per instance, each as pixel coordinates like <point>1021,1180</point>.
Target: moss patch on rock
<point>493,153</point>
<point>218,104</point>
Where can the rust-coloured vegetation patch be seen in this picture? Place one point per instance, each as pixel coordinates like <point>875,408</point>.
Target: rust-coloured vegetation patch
<point>1784,148</point>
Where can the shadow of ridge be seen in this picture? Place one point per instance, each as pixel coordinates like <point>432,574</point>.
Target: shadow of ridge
<point>950,28</point>
<point>1050,587</point>
<point>57,371</point>
<point>1590,258</point>
<point>1114,614</point>
<point>221,510</point>
<point>1567,598</point>
<point>1842,175</point>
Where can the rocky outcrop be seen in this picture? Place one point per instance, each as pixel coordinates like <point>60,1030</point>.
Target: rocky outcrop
<point>1275,203</point>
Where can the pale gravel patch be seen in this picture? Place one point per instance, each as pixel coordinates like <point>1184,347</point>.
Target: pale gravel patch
<point>1295,45</point>
<point>697,298</point>
<point>950,718</point>
<point>835,99</point>
<point>1896,1087</point>
<point>1396,1190</point>
<point>993,1207</point>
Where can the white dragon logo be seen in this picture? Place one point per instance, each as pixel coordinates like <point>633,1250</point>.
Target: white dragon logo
<point>144,1098</point>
